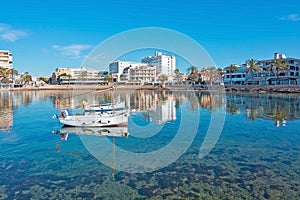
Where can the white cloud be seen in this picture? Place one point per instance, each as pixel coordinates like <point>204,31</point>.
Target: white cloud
<point>10,34</point>
<point>4,27</point>
<point>291,17</point>
<point>73,50</point>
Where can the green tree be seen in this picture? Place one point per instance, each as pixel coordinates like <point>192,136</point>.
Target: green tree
<point>212,73</point>
<point>3,75</point>
<point>46,80</point>
<point>253,67</point>
<point>176,71</point>
<point>277,65</point>
<point>26,78</point>
<point>178,75</point>
<point>163,78</point>
<point>6,75</point>
<point>191,70</point>
<point>108,78</point>
<point>231,69</point>
<point>192,73</point>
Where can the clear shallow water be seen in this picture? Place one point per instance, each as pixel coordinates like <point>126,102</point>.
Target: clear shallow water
<point>257,155</point>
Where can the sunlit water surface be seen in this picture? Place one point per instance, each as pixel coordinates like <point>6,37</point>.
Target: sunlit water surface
<point>256,156</point>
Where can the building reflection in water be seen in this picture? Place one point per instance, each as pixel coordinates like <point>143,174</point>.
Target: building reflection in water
<point>6,111</point>
<point>10,101</point>
<point>161,106</point>
<point>279,108</point>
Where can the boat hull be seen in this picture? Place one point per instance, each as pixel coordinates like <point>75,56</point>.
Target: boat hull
<point>95,120</point>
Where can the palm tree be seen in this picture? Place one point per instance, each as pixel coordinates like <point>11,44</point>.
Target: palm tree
<point>231,69</point>
<point>192,72</point>
<point>253,67</point>
<point>220,73</point>
<point>277,65</point>
<point>178,75</point>
<point>212,74</point>
<point>2,75</point>
<point>26,77</point>
<point>6,75</point>
<point>163,78</point>
<point>108,78</point>
<point>176,71</point>
<point>12,72</point>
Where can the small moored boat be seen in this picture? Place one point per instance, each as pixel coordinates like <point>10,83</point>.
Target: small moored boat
<point>100,115</point>
<point>80,118</point>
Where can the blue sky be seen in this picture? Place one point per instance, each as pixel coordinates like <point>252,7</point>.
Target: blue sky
<point>44,35</point>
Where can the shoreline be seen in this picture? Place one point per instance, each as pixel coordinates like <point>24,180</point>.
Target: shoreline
<point>260,89</point>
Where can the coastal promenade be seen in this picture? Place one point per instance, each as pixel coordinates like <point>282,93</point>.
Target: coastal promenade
<point>234,88</point>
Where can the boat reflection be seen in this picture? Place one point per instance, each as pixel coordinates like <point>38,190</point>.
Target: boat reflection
<point>94,131</point>
<point>111,132</point>
<point>161,106</point>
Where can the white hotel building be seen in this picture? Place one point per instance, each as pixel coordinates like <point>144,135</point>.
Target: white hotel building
<point>139,74</point>
<point>117,68</point>
<point>164,64</point>
<point>6,59</point>
<point>82,75</point>
<point>267,75</point>
<point>134,72</point>
<point>145,71</point>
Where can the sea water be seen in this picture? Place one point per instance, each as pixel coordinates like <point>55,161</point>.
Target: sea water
<point>255,155</point>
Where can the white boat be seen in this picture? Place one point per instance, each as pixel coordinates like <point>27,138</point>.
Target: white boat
<point>79,117</point>
<point>104,107</point>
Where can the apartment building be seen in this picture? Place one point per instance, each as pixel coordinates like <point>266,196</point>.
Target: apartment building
<point>116,68</point>
<point>139,73</point>
<point>268,75</point>
<point>235,78</point>
<point>61,71</point>
<point>165,64</point>
<point>288,76</point>
<point>82,75</point>
<point>6,59</point>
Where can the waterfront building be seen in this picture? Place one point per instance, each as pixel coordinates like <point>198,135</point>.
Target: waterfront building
<point>235,78</point>
<point>132,72</point>
<point>288,76</point>
<point>140,74</point>
<point>61,71</point>
<point>268,74</point>
<point>211,76</point>
<point>82,75</point>
<point>6,59</point>
<point>165,64</point>
<point>116,68</point>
